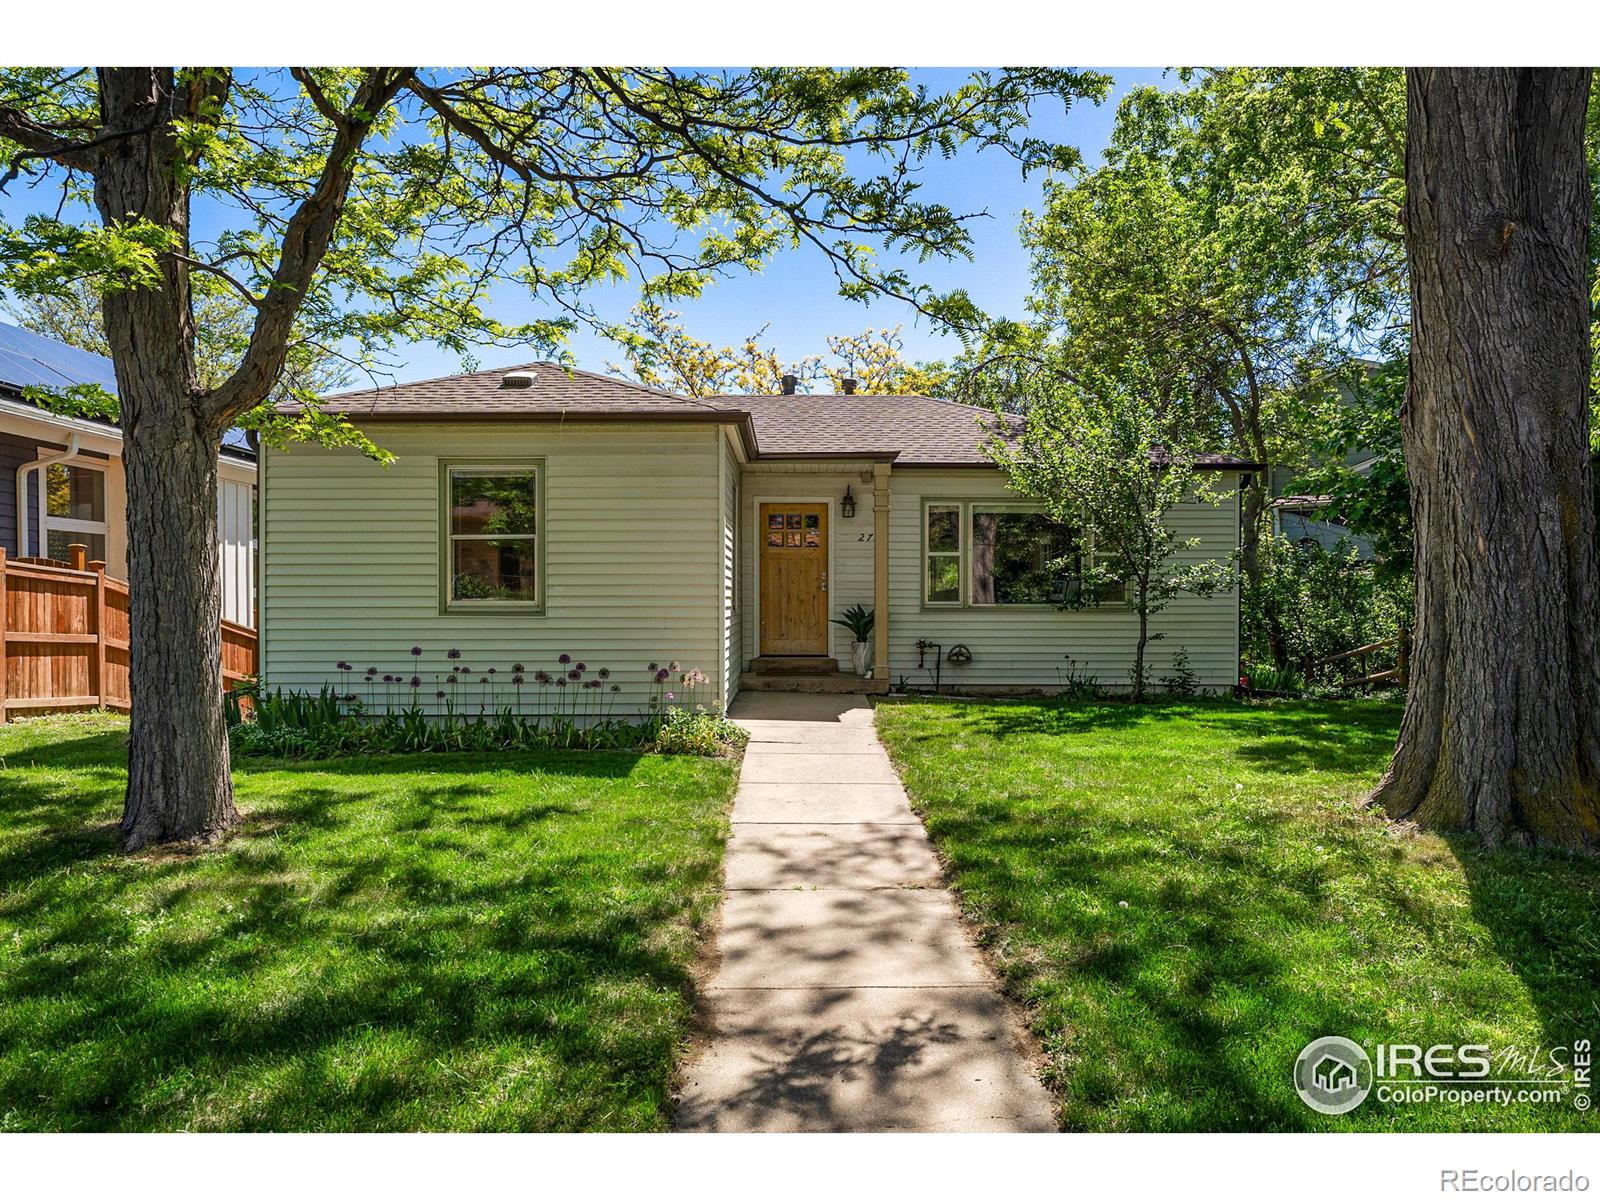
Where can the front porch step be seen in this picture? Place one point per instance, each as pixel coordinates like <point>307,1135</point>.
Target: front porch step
<point>796,665</point>
<point>836,682</point>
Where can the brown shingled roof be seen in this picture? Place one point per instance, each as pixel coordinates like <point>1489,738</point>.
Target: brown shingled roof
<point>915,430</point>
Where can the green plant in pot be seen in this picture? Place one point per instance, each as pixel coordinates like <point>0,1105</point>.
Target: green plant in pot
<point>859,619</point>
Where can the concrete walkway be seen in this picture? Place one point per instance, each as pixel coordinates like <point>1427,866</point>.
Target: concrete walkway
<point>848,995</point>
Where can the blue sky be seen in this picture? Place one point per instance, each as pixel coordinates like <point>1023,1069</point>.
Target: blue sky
<point>796,296</point>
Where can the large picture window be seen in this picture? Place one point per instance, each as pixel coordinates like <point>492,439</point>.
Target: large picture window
<point>1021,558</point>
<point>492,536</point>
<point>74,511</point>
<point>993,554</point>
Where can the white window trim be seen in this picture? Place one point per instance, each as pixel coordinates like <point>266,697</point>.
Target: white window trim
<point>49,524</point>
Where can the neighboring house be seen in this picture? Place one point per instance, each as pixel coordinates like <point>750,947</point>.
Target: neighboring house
<point>61,479</point>
<point>1304,519</point>
<point>533,512</point>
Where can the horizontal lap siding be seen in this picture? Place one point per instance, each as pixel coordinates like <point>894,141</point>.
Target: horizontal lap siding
<point>350,556</point>
<point>732,634</point>
<point>851,581</point>
<point>1025,647</point>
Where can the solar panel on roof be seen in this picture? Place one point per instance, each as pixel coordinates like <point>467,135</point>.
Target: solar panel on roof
<point>30,360</point>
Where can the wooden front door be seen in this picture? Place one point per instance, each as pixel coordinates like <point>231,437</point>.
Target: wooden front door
<point>794,578</point>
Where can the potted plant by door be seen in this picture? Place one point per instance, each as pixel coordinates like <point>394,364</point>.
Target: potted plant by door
<point>859,619</point>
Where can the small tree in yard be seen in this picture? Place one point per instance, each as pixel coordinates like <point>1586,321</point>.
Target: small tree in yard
<point>1098,456</point>
<point>355,208</point>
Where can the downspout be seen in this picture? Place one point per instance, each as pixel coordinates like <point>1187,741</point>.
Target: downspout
<point>48,460</point>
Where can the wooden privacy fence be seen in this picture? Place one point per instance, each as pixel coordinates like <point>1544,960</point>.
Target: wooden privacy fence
<point>64,637</point>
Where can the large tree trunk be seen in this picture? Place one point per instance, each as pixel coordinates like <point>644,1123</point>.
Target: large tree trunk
<point>1501,733</point>
<point>178,781</point>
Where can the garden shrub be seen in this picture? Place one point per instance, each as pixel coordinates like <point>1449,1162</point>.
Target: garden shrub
<point>1312,603</point>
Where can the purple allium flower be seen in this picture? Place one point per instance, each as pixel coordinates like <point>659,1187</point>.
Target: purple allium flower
<point>341,665</point>
<point>593,683</point>
<point>670,696</point>
<point>564,659</point>
<point>661,675</point>
<point>452,653</point>
<point>541,676</point>
<point>438,695</point>
<point>416,652</point>
<point>491,670</point>
<point>616,687</point>
<point>518,680</point>
<point>450,679</point>
<point>371,671</point>
<point>349,697</point>
<point>485,679</point>
<point>583,666</point>
<point>518,668</point>
<point>416,681</point>
<point>673,666</point>
<point>651,668</point>
<point>574,675</point>
<point>388,678</point>
<point>561,683</point>
<point>604,672</point>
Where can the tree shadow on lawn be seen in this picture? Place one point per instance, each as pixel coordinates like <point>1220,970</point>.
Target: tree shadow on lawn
<point>1543,911</point>
<point>341,965</point>
<point>1288,737</point>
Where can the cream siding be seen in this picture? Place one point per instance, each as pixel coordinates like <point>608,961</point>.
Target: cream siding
<point>730,629</point>
<point>849,541</point>
<point>1024,647</point>
<point>632,558</point>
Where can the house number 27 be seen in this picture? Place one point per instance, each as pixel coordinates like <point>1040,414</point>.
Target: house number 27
<point>863,537</point>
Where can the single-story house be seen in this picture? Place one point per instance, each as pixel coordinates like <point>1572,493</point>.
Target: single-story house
<point>535,512</point>
<point>61,479</point>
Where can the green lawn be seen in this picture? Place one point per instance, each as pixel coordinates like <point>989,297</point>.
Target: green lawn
<point>439,942</point>
<point>1184,895</point>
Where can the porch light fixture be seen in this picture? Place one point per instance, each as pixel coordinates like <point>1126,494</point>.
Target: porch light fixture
<point>847,506</point>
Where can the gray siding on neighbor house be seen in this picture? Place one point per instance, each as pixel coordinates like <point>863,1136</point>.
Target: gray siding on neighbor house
<point>632,558</point>
<point>14,452</point>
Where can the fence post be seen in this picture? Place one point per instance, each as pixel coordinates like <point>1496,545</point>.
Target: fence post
<point>99,681</point>
<point>3,659</point>
<point>78,555</point>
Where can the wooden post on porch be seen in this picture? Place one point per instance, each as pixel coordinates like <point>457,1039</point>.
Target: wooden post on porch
<point>2,635</point>
<point>78,556</point>
<point>880,574</point>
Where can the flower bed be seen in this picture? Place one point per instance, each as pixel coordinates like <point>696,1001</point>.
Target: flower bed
<point>458,709</point>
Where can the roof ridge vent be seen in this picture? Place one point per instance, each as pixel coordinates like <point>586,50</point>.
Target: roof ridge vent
<point>518,379</point>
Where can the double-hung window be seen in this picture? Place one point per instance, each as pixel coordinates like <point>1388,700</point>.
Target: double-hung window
<point>74,511</point>
<point>999,554</point>
<point>491,553</point>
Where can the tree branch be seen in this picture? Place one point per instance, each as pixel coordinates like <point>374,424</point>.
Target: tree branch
<point>305,240</point>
